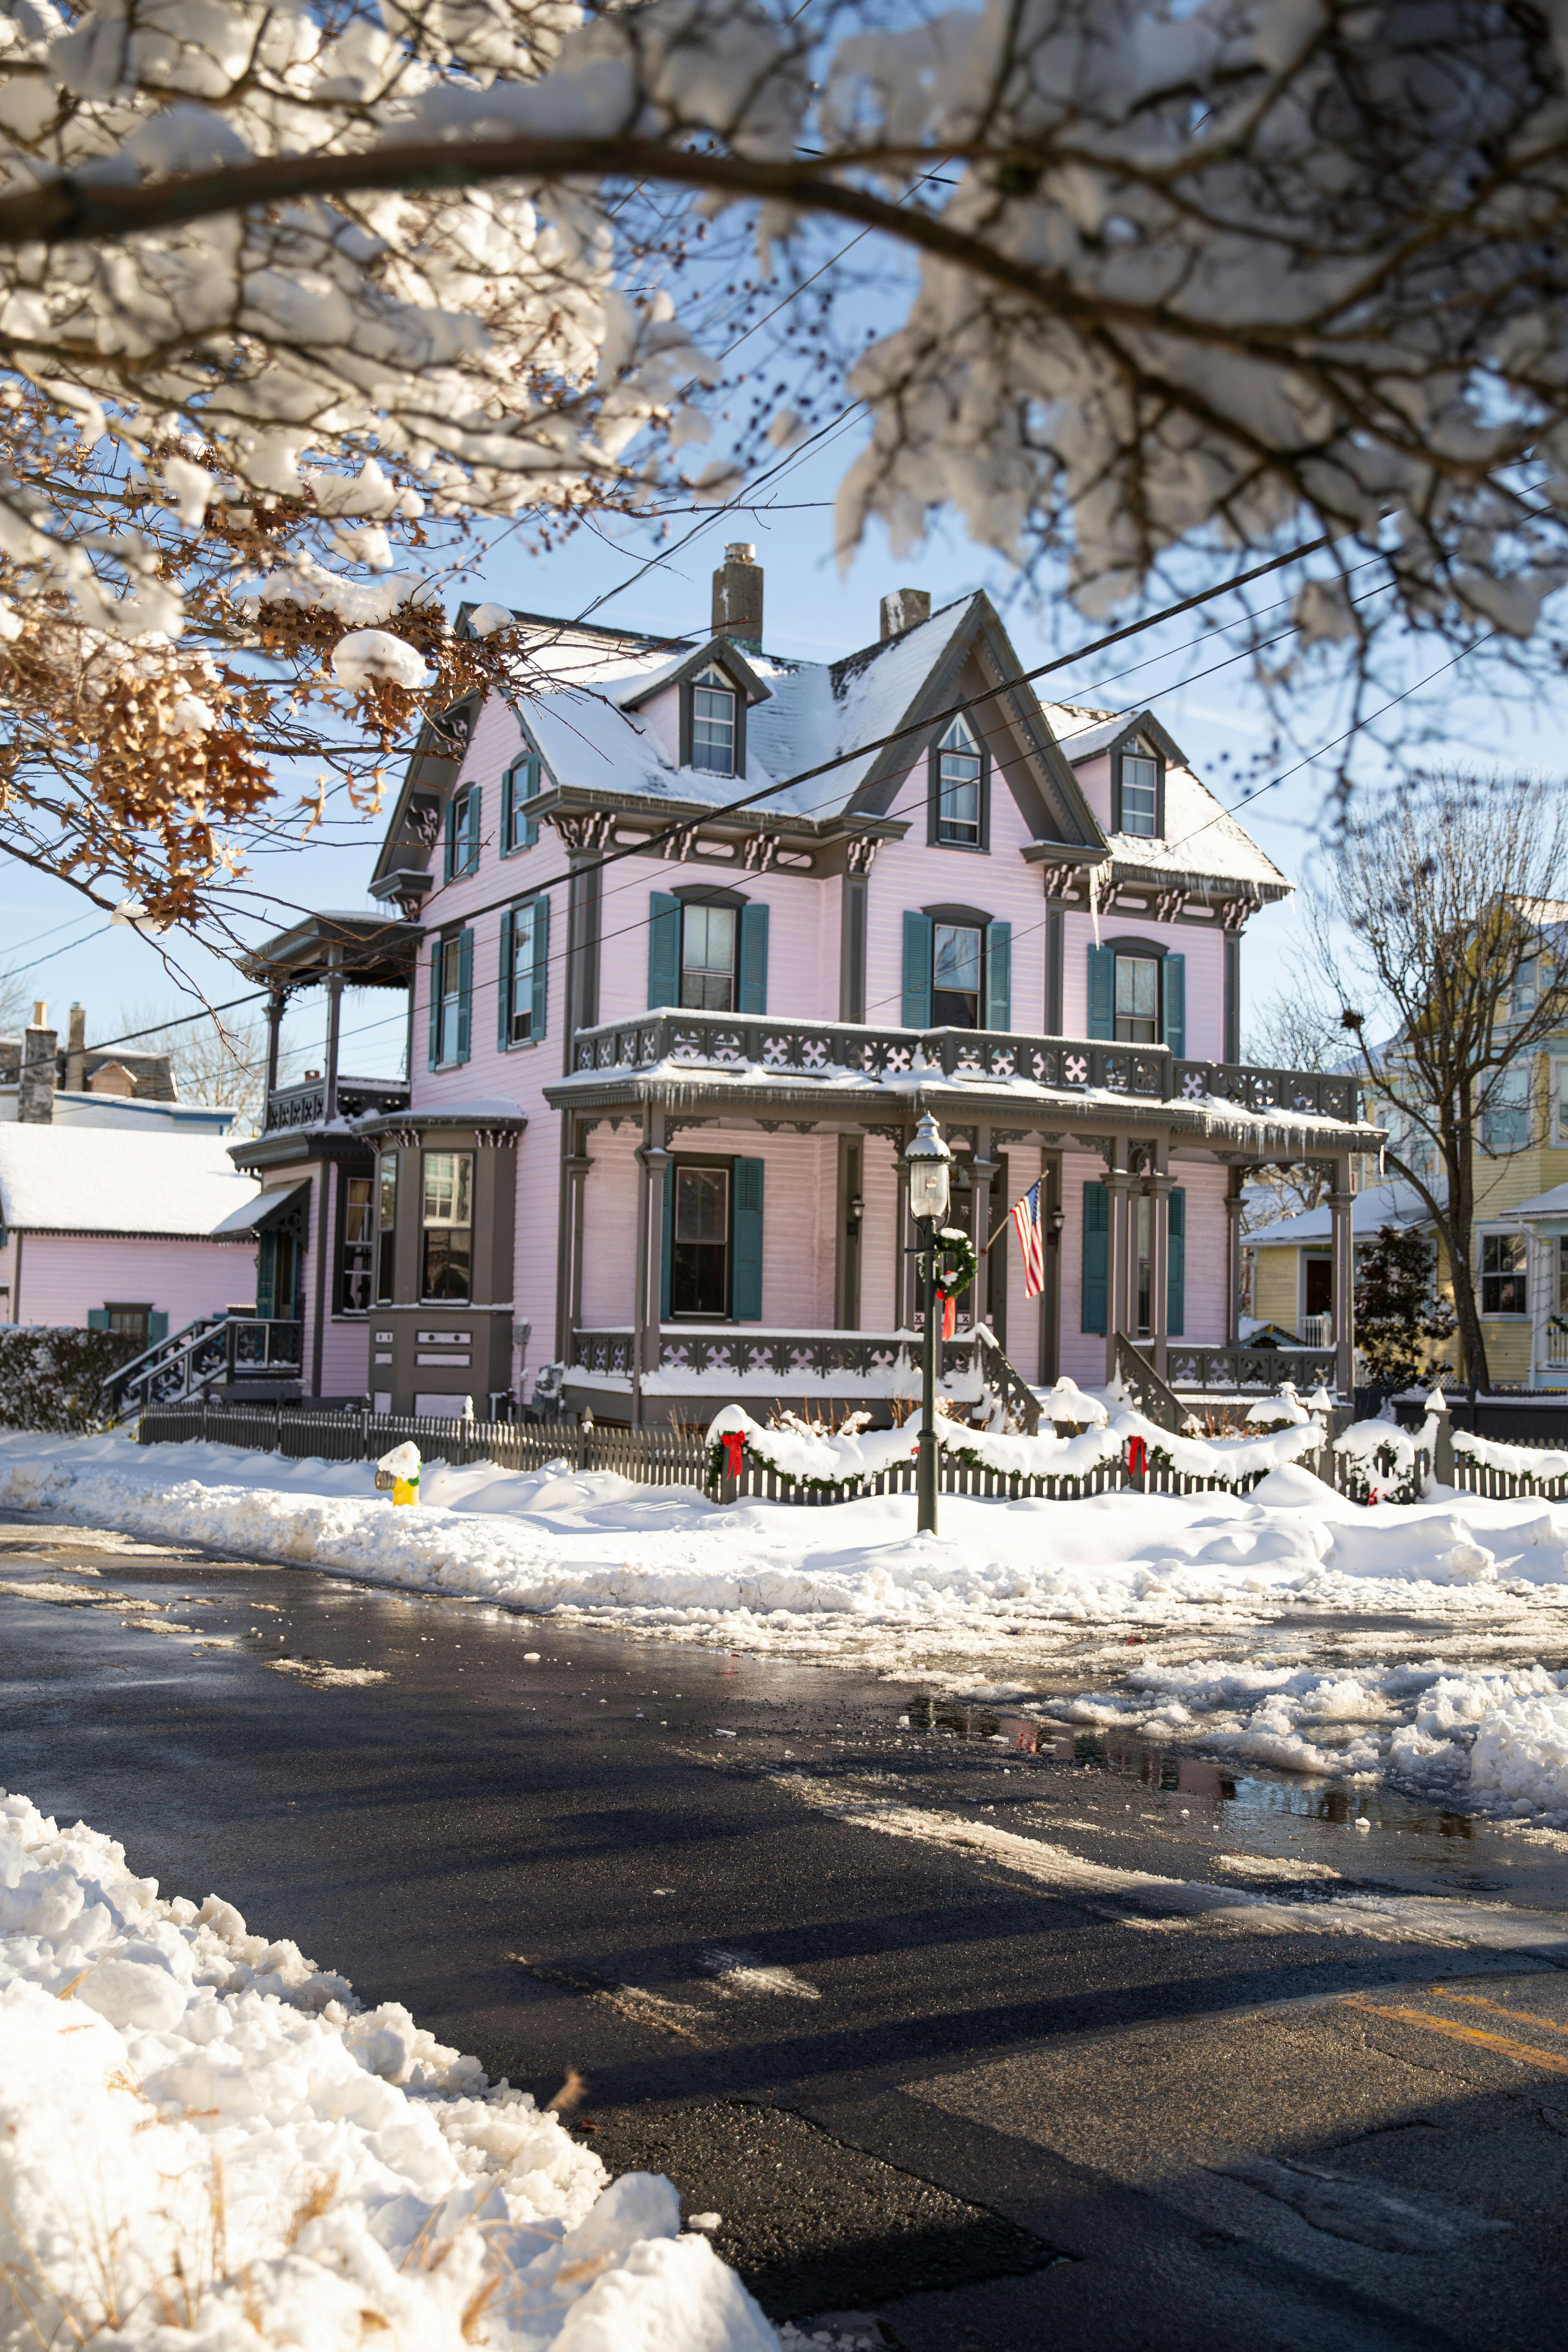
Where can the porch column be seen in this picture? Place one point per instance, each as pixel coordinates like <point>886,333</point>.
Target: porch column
<point>983,1175</point>
<point>275,1004</point>
<point>577,1167</point>
<point>334,1027</point>
<point>1118,1185</point>
<point>1341,1201</point>
<point>653,1159</point>
<point>1051,1296</point>
<point>903,1265</point>
<point>1160,1184</point>
<point>1233,1205</point>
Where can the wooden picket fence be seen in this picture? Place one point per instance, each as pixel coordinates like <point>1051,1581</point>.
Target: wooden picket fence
<point>664,1455</point>
<point>1473,1477</point>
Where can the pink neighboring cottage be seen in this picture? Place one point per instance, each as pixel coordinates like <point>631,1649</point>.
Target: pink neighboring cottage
<point>654,1127</point>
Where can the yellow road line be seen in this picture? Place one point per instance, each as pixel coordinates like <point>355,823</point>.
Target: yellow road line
<point>1502,2043</point>
<point>1524,2016</point>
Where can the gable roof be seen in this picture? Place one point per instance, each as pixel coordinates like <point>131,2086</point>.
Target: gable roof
<point>74,1179</point>
<point>1202,838</point>
<point>721,649</point>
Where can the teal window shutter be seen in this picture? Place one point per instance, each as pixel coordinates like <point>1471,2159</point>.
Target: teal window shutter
<point>97,1318</point>
<point>999,975</point>
<point>449,860</point>
<point>503,997</point>
<point>465,991</point>
<point>541,965</point>
<point>1102,995</point>
<point>1096,1257</point>
<point>519,786</point>
<point>157,1329</point>
<point>667,1248</point>
<point>917,970</point>
<point>746,1244</point>
<point>1176,1273</point>
<point>472,830</point>
<point>1175,996</point>
<point>754,959</point>
<point>663,949</point>
<point>435,1005</point>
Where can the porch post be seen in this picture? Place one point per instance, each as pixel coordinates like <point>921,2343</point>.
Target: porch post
<point>1119,1184</point>
<point>903,1267</point>
<point>1160,1184</point>
<point>1233,1257</point>
<point>577,1167</point>
<point>1051,1296</point>
<point>1342,1202</point>
<point>274,1003</point>
<point>334,1027</point>
<point>983,1175</point>
<point>653,1159</point>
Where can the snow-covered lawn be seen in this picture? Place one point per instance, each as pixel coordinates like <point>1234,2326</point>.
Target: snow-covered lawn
<point>204,2131</point>
<point>1292,1627</point>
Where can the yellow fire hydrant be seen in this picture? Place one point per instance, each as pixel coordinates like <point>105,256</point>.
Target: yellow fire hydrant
<point>400,1471</point>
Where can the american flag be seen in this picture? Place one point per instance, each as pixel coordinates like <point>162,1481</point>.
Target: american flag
<point>1026,1217</point>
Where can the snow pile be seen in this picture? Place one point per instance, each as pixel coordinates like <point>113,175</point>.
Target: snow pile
<point>1495,1739</point>
<point>1517,1461</point>
<point>856,1579</point>
<point>815,1456</point>
<point>200,2136</point>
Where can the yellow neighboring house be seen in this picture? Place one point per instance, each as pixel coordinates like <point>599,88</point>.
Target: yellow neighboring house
<point>1519,1238</point>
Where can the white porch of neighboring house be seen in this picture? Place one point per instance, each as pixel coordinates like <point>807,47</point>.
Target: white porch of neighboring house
<point>1292,1281</point>
<point>805,1123</point>
<point>1545,1220</point>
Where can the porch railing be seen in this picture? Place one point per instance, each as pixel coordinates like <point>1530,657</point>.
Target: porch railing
<point>796,1050</point>
<point>228,1348</point>
<point>1262,1369</point>
<point>783,1358</point>
<point>305,1105</point>
<point>1556,1343</point>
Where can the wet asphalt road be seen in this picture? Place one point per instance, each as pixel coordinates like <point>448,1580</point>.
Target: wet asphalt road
<point>995,2115</point>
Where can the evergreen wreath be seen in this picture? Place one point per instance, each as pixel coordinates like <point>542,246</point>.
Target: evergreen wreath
<point>957,1261</point>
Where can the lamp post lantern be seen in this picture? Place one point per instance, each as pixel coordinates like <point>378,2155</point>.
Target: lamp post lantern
<point>930,1165</point>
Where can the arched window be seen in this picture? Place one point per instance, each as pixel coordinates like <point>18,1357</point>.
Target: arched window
<point>958,788</point>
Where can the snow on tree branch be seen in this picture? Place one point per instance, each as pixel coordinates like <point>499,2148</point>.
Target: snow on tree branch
<point>317,283</point>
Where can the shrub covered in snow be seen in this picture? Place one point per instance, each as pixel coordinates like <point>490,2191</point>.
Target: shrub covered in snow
<point>55,1380</point>
<point>203,2142</point>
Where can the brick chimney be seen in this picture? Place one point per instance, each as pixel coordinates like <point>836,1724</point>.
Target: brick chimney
<point>905,608</point>
<point>738,596</point>
<point>75,1049</point>
<point>36,1078</point>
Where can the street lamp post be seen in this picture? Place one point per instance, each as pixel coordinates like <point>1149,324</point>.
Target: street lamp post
<point>930,1165</point>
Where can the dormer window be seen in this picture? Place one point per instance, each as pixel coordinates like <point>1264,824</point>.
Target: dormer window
<point>1139,791</point>
<point>714,722</point>
<point>958,767</point>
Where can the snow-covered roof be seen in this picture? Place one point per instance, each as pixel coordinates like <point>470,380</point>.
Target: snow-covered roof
<point>1391,1203</point>
<point>1553,1204</point>
<point>1201,835</point>
<point>71,1179</point>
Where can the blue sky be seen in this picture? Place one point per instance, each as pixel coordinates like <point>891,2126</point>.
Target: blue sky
<point>816,610</point>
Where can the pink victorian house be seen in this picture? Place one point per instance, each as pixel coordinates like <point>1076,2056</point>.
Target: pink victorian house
<point>697,936</point>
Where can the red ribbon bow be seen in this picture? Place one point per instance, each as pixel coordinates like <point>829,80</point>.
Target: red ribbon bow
<point>733,1442</point>
<point>948,1313</point>
<point>1137,1456</point>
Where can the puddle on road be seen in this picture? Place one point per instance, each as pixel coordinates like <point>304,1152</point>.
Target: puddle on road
<point>1145,1764</point>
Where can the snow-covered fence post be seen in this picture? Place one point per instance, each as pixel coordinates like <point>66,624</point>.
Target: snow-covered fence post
<point>1440,1431</point>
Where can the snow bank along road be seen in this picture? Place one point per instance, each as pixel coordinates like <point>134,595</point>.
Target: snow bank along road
<point>1008,2044</point>
<point>1419,1647</point>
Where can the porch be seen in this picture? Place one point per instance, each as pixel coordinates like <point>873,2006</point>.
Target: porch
<point>1140,1157</point>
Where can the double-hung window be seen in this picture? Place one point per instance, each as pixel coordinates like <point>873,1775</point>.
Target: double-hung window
<point>387,1226</point>
<point>356,1245</point>
<point>1137,1000</point>
<point>1139,793</point>
<point>451,982</point>
<point>707,958</point>
<point>519,786</point>
<point>699,1253</point>
<point>1505,1274</point>
<point>463,831</point>
<point>448,1226</point>
<point>524,968</point>
<point>1526,984</point>
<point>1505,1120</point>
<point>956,962</point>
<point>714,722</point>
<point>959,784</point>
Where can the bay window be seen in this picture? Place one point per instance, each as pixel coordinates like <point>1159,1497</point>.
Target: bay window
<point>387,1226</point>
<point>356,1240</point>
<point>446,1272</point>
